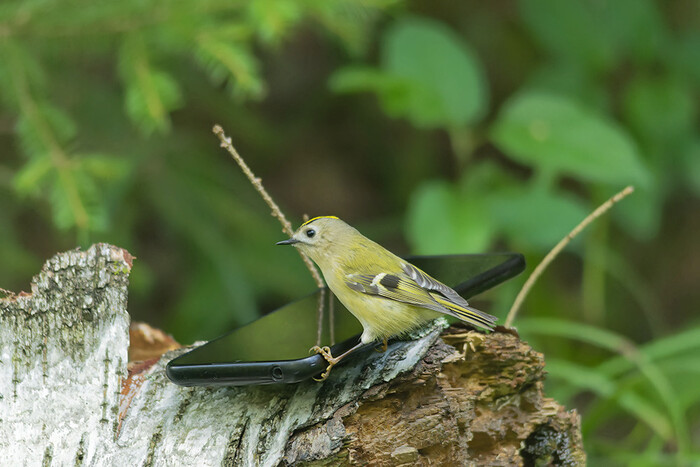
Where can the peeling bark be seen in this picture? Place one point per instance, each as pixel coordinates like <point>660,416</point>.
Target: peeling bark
<point>466,398</point>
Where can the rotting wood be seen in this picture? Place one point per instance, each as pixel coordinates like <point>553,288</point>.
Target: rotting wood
<point>468,398</point>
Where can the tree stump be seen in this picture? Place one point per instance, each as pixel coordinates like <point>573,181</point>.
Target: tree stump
<point>457,397</point>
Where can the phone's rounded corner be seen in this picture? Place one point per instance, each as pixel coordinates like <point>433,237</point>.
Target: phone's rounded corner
<point>171,373</point>
<point>519,263</point>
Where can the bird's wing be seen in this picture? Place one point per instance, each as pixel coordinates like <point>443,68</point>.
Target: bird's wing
<point>413,286</point>
<point>397,287</point>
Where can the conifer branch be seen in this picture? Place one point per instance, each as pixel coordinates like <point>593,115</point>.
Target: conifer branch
<point>29,107</point>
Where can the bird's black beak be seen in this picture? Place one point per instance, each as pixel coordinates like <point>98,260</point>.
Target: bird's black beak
<point>290,241</point>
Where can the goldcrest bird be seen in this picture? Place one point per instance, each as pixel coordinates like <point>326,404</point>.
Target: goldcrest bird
<point>389,296</point>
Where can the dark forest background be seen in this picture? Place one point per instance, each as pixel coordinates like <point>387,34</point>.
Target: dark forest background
<point>433,127</point>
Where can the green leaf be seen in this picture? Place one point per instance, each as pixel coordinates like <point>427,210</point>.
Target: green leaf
<point>595,35</point>
<point>684,371</point>
<point>646,99</point>
<point>428,75</point>
<point>584,378</point>
<point>432,56</point>
<point>603,338</point>
<point>396,94</point>
<point>568,79</point>
<point>568,30</point>
<point>440,221</point>
<point>577,331</point>
<point>684,56</point>
<point>686,342</point>
<point>640,214</point>
<point>359,79</point>
<point>556,134</point>
<point>535,218</point>
<point>634,28</point>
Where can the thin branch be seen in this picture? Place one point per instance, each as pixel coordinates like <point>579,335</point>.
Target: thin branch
<point>319,316</point>
<point>257,183</point>
<point>331,317</point>
<point>602,209</point>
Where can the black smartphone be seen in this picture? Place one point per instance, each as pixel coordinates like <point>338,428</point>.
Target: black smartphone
<point>275,348</point>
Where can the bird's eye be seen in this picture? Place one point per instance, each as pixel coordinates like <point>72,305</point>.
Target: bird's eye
<point>310,233</point>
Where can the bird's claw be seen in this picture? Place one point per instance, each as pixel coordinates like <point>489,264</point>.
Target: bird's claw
<point>324,375</point>
<point>325,352</point>
<point>383,348</point>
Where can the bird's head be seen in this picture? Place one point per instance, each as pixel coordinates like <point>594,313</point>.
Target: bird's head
<point>319,237</point>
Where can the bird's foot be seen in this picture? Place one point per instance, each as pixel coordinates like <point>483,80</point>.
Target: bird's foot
<point>382,349</point>
<point>325,352</point>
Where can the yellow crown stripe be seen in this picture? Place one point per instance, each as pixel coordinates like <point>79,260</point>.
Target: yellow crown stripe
<point>319,217</point>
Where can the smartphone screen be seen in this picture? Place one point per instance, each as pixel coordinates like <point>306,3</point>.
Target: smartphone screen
<point>284,336</point>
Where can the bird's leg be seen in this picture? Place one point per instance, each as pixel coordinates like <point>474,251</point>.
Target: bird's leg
<point>385,345</point>
<point>325,352</point>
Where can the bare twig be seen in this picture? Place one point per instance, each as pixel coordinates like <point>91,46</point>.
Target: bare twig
<point>602,209</point>
<point>331,317</point>
<point>257,183</point>
<point>319,316</point>
<point>321,305</point>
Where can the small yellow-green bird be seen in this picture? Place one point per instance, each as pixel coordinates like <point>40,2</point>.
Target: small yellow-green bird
<point>388,295</point>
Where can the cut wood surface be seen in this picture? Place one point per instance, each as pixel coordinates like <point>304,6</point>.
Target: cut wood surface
<point>454,397</point>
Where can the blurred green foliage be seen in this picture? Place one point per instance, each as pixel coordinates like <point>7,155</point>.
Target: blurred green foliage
<point>468,126</point>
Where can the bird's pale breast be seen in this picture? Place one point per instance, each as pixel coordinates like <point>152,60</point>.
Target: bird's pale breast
<point>381,317</point>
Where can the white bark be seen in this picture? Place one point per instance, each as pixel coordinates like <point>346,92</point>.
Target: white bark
<point>63,354</point>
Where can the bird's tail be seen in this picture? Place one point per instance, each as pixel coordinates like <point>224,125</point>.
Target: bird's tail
<point>467,314</point>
